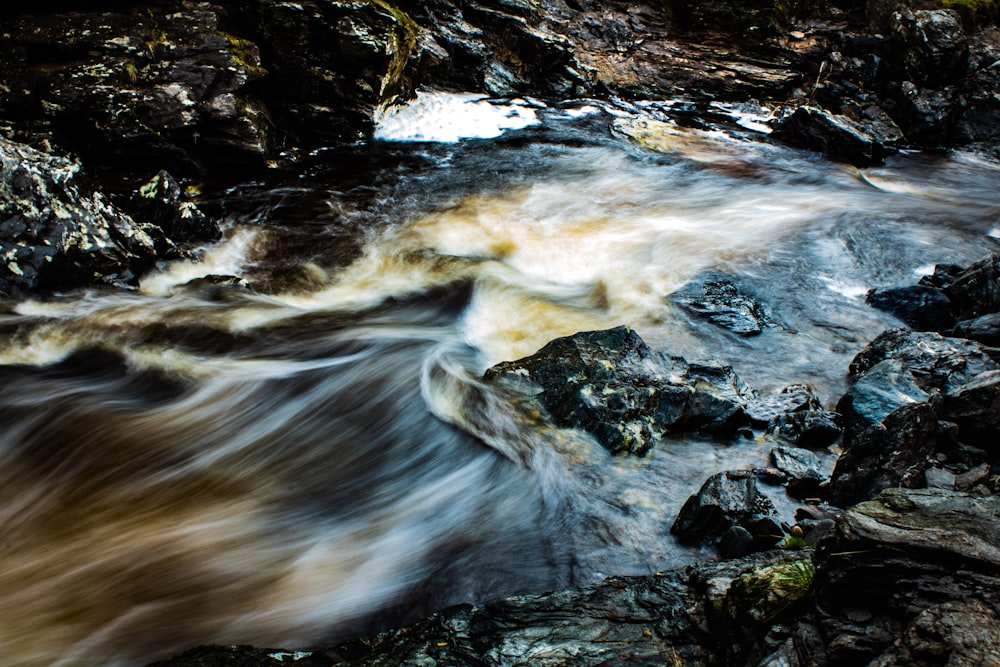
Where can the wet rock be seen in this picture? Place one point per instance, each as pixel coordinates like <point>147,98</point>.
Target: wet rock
<point>976,291</point>
<point>331,65</point>
<point>612,385</point>
<point>932,46</point>
<point>763,410</point>
<point>803,469</point>
<point>883,389</point>
<point>921,307</point>
<point>161,202</point>
<point>813,429</point>
<point>893,452</point>
<point>984,329</point>
<point>57,234</point>
<point>963,632</point>
<point>159,86</point>
<point>975,409</point>
<point>934,361</point>
<point>725,500</point>
<point>927,116</point>
<point>725,303</point>
<point>837,136</point>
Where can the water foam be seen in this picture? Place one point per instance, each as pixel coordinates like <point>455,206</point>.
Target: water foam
<point>451,117</point>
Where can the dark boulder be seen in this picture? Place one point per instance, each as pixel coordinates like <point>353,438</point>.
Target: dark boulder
<point>612,385</point>
<point>157,86</point>
<point>883,389</point>
<point>976,290</point>
<point>161,202</point>
<point>893,452</point>
<point>931,46</point>
<point>56,234</point>
<point>984,329</point>
<point>934,361</point>
<point>927,116</point>
<point>975,409</point>
<point>725,500</point>
<point>834,135</point>
<point>724,302</point>
<point>920,307</point>
<point>803,468</point>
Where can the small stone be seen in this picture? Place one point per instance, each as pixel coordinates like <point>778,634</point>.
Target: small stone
<point>938,478</point>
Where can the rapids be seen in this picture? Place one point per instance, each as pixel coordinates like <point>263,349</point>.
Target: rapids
<point>307,452</point>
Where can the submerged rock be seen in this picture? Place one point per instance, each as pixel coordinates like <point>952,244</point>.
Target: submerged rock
<point>56,234</point>
<point>725,303</point>
<point>612,385</point>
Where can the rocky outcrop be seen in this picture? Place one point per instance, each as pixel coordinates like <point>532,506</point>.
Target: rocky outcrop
<point>919,403</point>
<point>57,234</point>
<point>612,385</point>
<point>159,84</point>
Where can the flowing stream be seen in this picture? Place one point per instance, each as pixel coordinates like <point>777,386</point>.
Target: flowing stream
<point>310,452</point>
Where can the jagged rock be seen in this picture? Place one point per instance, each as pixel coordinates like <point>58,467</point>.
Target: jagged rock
<point>984,329</point>
<point>57,234</point>
<point>927,116</point>
<point>976,290</point>
<point>612,385</point>
<point>880,391</point>
<point>764,410</point>
<point>934,361</point>
<point>813,429</point>
<point>160,202</point>
<point>803,469</point>
<point>159,85</point>
<point>932,46</point>
<point>724,303</point>
<point>975,409</point>
<point>892,452</point>
<point>837,136</point>
<point>908,578</point>
<point>331,65</point>
<point>921,307</point>
<point>963,632</point>
<point>725,500</point>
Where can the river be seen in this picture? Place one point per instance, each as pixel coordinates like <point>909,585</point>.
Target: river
<point>308,452</point>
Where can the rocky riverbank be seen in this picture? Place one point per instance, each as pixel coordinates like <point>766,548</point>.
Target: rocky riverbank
<point>121,124</point>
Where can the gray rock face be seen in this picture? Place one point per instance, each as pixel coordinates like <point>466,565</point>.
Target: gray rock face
<point>56,234</point>
<point>612,385</point>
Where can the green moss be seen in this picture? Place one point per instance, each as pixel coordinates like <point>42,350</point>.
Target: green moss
<point>763,593</point>
<point>405,34</point>
<point>973,12</point>
<point>243,53</point>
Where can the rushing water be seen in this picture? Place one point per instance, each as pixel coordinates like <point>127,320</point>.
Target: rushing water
<point>284,465</point>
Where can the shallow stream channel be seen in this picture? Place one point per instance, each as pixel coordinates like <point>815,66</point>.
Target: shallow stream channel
<point>286,440</point>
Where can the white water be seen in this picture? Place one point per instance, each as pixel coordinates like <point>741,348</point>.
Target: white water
<point>191,464</point>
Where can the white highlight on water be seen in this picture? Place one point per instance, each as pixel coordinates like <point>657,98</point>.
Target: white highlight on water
<point>224,259</point>
<point>450,117</point>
